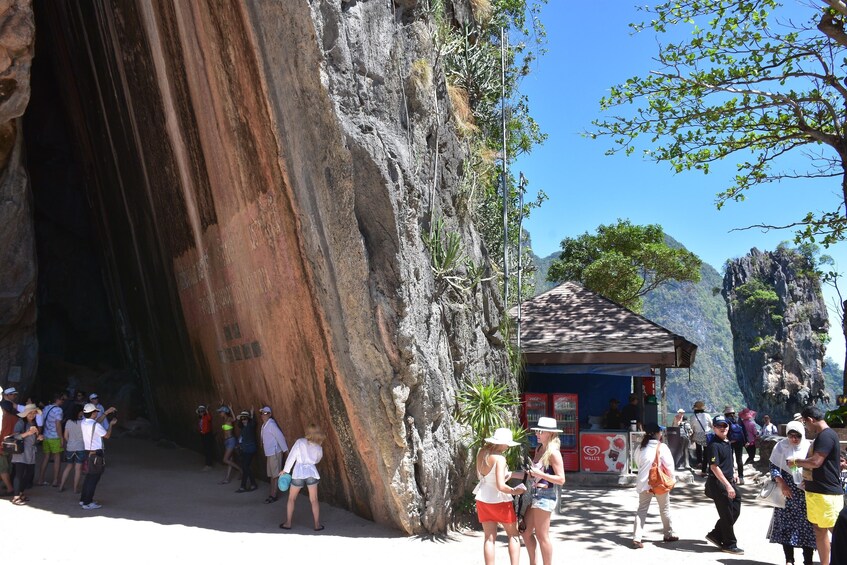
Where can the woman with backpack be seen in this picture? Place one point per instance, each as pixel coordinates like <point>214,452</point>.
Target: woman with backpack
<point>702,426</point>
<point>737,439</point>
<point>652,450</point>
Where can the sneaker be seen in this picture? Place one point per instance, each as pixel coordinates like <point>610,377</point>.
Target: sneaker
<point>713,540</point>
<point>95,506</point>
<point>735,550</point>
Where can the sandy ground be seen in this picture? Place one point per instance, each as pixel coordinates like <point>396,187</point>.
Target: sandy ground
<point>158,506</point>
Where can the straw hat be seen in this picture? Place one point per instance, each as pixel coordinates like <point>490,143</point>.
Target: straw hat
<point>681,411</point>
<point>699,405</point>
<point>728,410</point>
<point>27,409</point>
<point>546,424</point>
<point>502,436</point>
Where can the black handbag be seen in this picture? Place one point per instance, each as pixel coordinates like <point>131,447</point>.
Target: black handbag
<point>12,445</point>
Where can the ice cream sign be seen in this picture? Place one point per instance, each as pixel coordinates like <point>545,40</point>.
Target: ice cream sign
<point>603,452</point>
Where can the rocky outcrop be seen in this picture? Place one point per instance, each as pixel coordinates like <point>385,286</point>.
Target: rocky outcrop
<point>260,176</point>
<point>18,343</point>
<point>779,327</point>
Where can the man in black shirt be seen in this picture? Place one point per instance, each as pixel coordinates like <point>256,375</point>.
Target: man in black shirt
<point>612,419</point>
<point>824,496</point>
<point>631,412</point>
<point>720,487</point>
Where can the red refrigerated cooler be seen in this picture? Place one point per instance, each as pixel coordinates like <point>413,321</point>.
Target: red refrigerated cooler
<point>565,413</point>
<point>533,407</point>
<point>561,407</point>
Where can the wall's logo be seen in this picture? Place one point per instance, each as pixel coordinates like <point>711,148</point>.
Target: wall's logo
<point>591,450</point>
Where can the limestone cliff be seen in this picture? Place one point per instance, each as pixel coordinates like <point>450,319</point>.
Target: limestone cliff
<point>779,326</point>
<point>260,176</point>
<point>18,343</point>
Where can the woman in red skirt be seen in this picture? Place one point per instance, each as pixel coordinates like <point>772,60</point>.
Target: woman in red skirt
<point>494,496</point>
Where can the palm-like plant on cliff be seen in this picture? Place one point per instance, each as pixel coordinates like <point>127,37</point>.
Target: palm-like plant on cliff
<point>484,407</point>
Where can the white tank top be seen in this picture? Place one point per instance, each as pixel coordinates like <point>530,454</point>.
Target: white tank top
<point>486,490</point>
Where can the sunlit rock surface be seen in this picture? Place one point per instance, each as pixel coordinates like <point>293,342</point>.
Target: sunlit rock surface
<point>260,176</point>
<point>779,344</point>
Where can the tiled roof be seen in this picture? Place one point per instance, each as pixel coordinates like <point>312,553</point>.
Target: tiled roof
<point>570,324</point>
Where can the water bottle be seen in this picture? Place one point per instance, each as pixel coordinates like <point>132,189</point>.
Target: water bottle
<point>633,426</point>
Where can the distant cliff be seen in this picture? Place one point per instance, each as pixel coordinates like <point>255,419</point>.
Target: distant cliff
<point>779,326</point>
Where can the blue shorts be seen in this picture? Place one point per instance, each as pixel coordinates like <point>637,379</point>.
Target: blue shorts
<point>300,483</point>
<point>230,442</point>
<point>75,456</point>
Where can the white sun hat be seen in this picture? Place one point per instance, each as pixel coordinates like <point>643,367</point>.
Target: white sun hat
<point>546,424</point>
<point>502,436</point>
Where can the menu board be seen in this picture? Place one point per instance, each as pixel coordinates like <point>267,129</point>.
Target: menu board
<point>603,452</point>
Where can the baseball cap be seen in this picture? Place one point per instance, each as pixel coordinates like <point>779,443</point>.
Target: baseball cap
<point>89,408</point>
<point>11,390</point>
<point>92,396</point>
<point>266,410</point>
<point>719,421</point>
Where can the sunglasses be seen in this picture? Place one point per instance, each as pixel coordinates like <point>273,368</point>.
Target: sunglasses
<point>265,413</point>
<point>794,435</point>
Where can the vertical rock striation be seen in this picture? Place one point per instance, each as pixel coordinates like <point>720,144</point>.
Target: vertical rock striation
<point>18,343</point>
<point>262,175</point>
<point>779,327</point>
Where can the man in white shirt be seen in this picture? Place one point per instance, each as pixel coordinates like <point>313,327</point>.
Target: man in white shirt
<point>275,446</point>
<point>93,434</point>
<point>768,429</point>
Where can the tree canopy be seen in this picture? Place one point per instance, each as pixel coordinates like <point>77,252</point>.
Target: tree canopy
<point>623,262</point>
<point>748,83</point>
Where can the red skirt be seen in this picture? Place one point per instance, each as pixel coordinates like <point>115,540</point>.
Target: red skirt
<point>502,512</point>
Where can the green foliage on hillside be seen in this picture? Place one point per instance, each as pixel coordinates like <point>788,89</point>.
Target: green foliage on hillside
<point>696,312</point>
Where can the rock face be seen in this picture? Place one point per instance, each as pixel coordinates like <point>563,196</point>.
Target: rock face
<point>18,343</point>
<point>260,176</point>
<point>779,327</point>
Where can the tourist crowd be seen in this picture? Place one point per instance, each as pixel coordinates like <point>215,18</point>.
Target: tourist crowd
<point>808,473</point>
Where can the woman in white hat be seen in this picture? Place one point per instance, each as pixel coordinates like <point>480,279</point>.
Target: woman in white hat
<point>547,472</point>
<point>494,497</point>
<point>24,462</point>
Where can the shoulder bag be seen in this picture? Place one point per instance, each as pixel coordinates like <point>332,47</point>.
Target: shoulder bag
<point>95,463</point>
<point>771,494</point>
<point>659,480</point>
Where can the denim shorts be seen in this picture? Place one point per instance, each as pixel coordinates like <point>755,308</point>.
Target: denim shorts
<point>75,456</point>
<point>300,483</point>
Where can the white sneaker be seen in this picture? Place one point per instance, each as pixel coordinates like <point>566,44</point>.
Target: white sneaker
<point>91,506</point>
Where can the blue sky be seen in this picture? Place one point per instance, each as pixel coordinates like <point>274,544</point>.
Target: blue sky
<point>590,50</point>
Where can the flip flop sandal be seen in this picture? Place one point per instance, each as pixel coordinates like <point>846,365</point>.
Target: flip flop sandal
<point>241,490</point>
<point>321,528</point>
<point>271,500</point>
<point>18,502</point>
<point>284,527</point>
